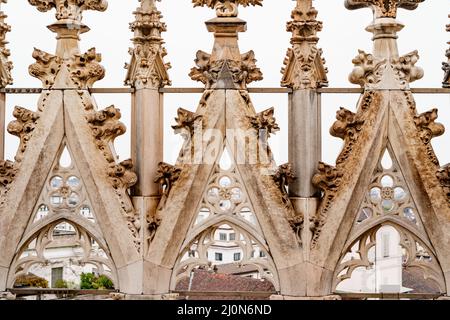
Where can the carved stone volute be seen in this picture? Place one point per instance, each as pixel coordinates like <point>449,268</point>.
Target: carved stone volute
<point>106,127</point>
<point>427,126</point>
<point>22,128</point>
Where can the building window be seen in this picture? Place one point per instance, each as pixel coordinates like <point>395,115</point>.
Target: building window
<point>237,256</point>
<point>232,236</point>
<point>57,275</point>
<point>219,256</point>
<point>223,237</point>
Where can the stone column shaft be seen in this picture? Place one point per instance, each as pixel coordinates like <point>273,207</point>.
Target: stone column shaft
<point>305,145</point>
<point>147,139</point>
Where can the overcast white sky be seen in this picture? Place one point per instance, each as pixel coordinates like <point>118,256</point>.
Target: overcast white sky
<point>341,38</point>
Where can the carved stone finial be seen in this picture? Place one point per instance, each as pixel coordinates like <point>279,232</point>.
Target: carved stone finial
<point>186,122</point>
<point>5,65</point>
<point>304,65</point>
<point>385,69</point>
<point>83,69</point>
<point>147,67</point>
<point>226,8</point>
<point>383,8</point>
<point>106,127</point>
<point>22,128</point>
<point>446,65</point>
<point>226,67</point>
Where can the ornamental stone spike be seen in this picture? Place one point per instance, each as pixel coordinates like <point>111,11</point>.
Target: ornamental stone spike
<point>384,69</point>
<point>5,65</point>
<point>304,66</point>
<point>226,67</point>
<point>147,67</point>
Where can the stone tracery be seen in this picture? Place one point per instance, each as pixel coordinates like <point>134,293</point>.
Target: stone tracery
<point>167,220</point>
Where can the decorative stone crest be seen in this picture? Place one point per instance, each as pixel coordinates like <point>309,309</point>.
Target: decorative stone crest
<point>45,68</point>
<point>153,223</point>
<point>304,65</point>
<point>283,176</point>
<point>167,176</point>
<point>328,179</point>
<point>368,70</point>
<point>22,128</point>
<point>86,70</point>
<point>429,129</point>
<point>405,68</point>
<point>147,67</point>
<point>226,8</point>
<point>347,127</point>
<point>5,65</point>
<point>241,72</point>
<point>122,178</point>
<point>122,175</point>
<point>106,127</point>
<point>265,122</point>
<point>8,171</point>
<point>69,9</point>
<point>383,8</point>
<point>297,224</point>
<point>186,122</point>
<point>443,176</point>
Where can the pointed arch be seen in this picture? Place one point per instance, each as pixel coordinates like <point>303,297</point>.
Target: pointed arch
<point>32,250</point>
<point>418,255</point>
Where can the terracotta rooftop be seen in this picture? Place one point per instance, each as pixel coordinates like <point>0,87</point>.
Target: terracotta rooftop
<point>206,281</point>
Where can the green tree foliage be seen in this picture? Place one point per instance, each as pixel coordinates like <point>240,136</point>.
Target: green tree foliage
<point>91,281</point>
